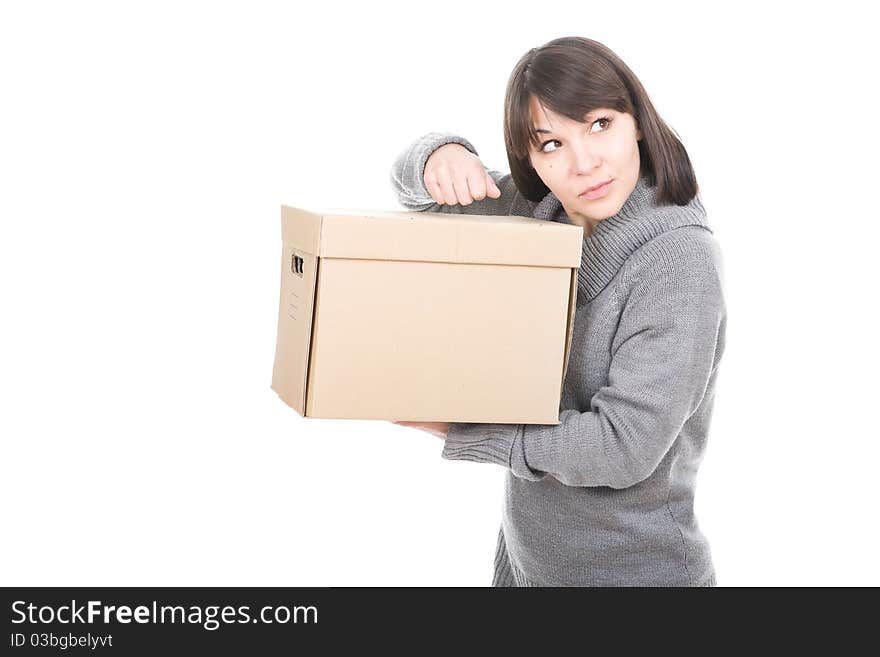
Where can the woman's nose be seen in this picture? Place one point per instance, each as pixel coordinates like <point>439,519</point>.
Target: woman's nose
<point>585,158</point>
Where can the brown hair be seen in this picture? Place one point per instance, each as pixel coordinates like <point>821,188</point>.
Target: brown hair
<point>573,76</point>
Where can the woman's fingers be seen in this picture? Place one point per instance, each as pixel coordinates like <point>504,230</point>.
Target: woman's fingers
<point>463,186</point>
<point>439,429</point>
<point>462,193</point>
<point>454,175</point>
<point>477,186</point>
<point>447,189</point>
<point>482,185</point>
<point>434,190</point>
<point>453,184</point>
<point>491,188</point>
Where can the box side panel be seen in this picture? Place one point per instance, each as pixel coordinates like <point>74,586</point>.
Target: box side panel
<point>572,308</point>
<point>295,311</point>
<point>397,340</point>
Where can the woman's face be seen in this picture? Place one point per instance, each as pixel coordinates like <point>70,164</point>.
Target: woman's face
<point>574,156</point>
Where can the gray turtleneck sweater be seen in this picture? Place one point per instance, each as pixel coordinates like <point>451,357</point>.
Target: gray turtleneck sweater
<point>606,497</point>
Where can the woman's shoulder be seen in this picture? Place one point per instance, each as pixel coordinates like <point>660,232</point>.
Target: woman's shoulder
<point>684,253</point>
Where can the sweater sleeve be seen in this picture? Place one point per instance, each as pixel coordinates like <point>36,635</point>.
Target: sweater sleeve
<point>408,180</point>
<point>663,355</point>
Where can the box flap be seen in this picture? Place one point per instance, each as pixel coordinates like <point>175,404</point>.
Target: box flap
<point>435,237</point>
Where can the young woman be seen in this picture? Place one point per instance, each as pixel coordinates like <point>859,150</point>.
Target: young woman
<point>604,498</point>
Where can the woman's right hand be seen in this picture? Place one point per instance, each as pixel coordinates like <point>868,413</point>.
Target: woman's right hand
<point>454,175</point>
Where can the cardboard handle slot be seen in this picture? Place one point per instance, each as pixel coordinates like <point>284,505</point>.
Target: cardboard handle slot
<point>296,265</point>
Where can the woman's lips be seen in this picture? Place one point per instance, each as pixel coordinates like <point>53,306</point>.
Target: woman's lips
<point>597,192</point>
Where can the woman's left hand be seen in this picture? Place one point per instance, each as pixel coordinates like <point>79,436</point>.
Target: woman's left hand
<point>439,429</point>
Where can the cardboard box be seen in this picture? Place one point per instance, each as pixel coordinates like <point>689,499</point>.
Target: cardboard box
<point>425,316</point>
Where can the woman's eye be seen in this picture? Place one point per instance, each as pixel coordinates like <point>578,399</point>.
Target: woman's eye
<point>604,120</point>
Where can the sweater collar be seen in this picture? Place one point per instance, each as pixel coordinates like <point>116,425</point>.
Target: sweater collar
<point>616,238</point>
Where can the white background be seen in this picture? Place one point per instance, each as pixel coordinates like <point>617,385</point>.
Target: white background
<point>145,149</point>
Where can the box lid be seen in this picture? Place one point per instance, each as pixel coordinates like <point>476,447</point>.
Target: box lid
<point>432,237</point>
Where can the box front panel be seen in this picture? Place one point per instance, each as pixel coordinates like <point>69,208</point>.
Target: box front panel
<point>435,341</point>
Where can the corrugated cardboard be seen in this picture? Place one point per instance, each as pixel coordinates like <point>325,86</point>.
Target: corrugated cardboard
<point>425,316</point>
